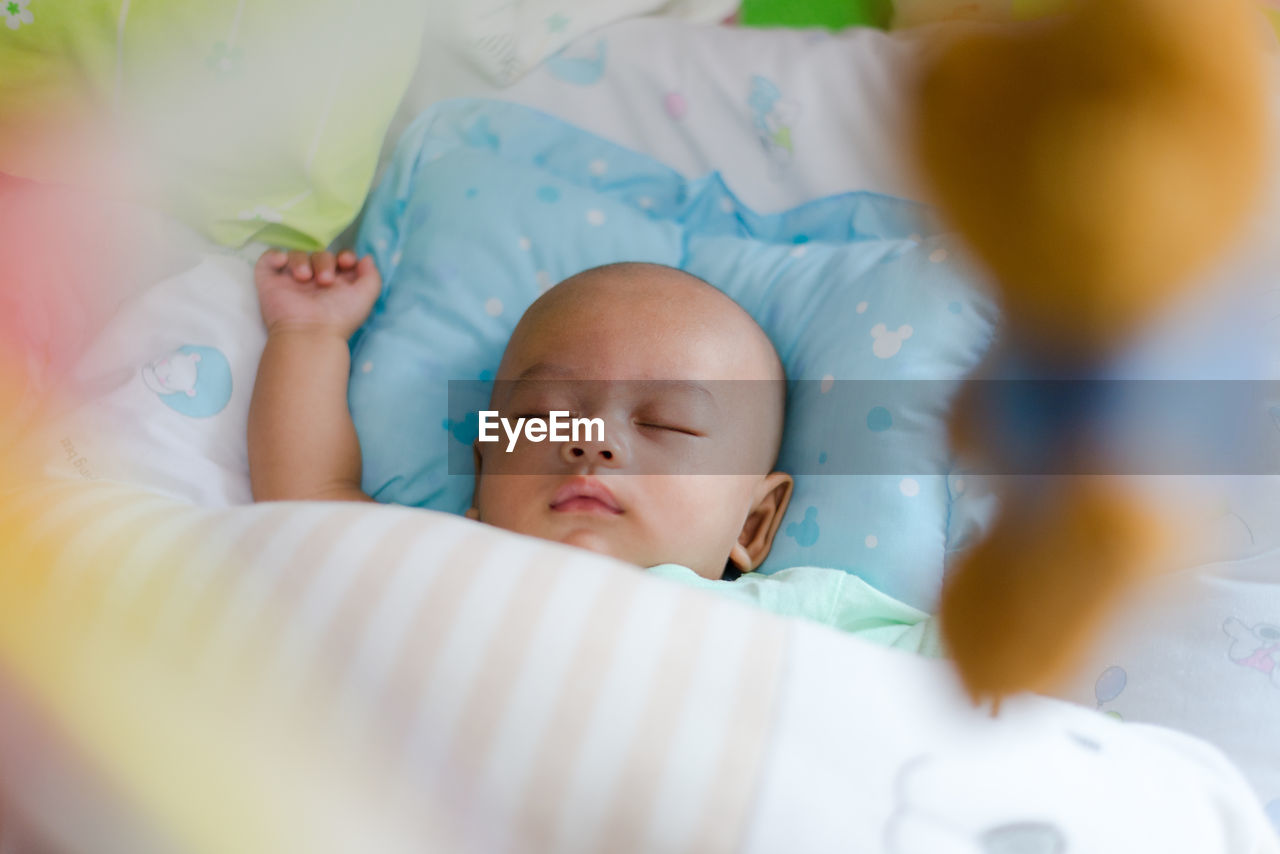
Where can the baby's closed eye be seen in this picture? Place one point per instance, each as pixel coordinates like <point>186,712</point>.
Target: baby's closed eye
<point>652,424</point>
<point>671,416</point>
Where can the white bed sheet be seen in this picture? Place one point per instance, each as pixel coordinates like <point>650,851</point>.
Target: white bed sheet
<point>537,698</point>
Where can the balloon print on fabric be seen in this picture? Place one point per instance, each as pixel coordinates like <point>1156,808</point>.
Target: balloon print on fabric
<point>1110,684</point>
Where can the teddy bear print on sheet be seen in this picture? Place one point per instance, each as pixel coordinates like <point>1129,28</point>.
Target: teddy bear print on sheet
<point>578,65</point>
<point>773,117</point>
<point>157,401</point>
<point>1255,646</point>
<point>193,381</point>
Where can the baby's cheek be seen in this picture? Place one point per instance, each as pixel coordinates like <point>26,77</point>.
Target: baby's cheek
<point>729,493</point>
<point>516,503</point>
<point>673,495</point>
<point>700,509</point>
<point>498,500</point>
<point>526,458</point>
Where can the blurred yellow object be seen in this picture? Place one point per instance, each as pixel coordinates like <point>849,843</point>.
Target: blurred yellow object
<point>1097,162</point>
<point>1040,586</point>
<point>914,13</point>
<point>190,758</point>
<point>1273,16</point>
<point>1094,162</point>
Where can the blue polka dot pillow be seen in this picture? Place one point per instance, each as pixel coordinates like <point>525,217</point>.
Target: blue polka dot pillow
<point>487,204</point>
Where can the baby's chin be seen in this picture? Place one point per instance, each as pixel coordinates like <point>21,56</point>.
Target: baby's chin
<point>595,541</point>
<point>582,536</point>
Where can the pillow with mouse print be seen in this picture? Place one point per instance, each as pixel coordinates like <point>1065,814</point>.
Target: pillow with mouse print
<point>488,204</point>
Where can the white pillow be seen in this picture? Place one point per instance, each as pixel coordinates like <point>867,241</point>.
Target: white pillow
<point>683,95</point>
<point>505,39</point>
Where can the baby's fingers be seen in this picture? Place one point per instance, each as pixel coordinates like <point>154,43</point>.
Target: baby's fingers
<point>300,265</point>
<point>270,263</point>
<point>323,264</point>
<point>273,260</point>
<point>346,260</point>
<point>367,273</point>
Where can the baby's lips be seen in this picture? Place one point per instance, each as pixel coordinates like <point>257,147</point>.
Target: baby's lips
<point>585,494</point>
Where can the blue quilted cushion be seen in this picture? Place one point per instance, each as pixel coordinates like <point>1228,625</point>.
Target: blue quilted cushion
<point>488,203</point>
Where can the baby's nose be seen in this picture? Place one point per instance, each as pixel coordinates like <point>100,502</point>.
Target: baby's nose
<point>601,453</point>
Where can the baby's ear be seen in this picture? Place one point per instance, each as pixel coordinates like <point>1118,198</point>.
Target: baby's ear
<point>771,498</point>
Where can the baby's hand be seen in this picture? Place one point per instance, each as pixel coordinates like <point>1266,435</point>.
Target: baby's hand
<point>317,291</point>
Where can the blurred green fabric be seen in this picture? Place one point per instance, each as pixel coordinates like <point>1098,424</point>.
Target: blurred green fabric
<point>832,14</point>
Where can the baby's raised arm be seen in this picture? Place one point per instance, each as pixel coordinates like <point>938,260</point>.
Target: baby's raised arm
<point>302,442</point>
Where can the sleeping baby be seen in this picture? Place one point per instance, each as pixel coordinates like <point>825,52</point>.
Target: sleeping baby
<point>681,479</point>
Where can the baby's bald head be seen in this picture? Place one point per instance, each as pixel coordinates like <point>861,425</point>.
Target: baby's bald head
<point>641,321</point>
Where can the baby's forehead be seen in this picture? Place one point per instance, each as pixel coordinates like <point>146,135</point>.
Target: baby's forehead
<point>644,322</point>
<point>655,287</point>
<point>651,324</point>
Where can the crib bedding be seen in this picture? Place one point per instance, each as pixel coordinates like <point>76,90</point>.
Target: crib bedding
<point>539,698</point>
<point>1200,651</point>
<point>505,39</point>
<point>785,116</point>
<point>699,99</point>
<point>174,424</point>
